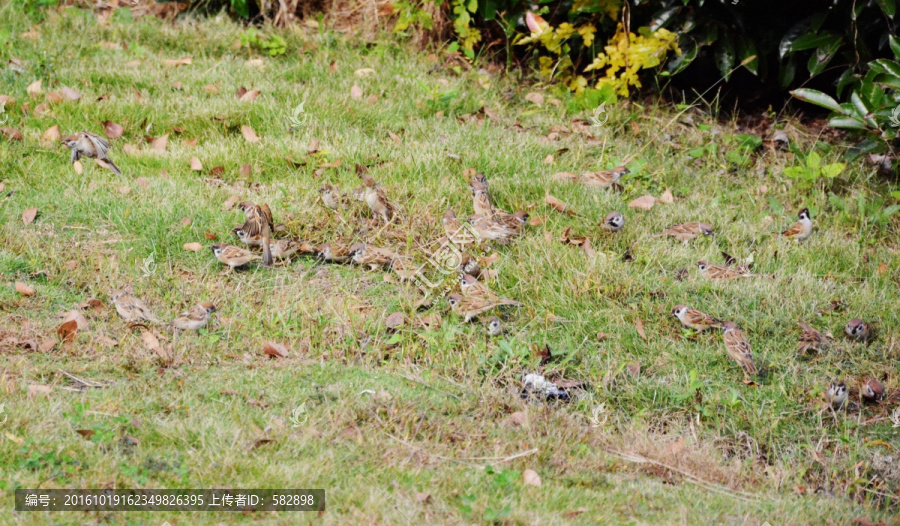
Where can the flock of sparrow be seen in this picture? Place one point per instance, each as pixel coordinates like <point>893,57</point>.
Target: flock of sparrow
<point>474,298</point>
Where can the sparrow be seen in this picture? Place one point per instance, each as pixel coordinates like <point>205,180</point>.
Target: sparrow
<point>487,228</point>
<point>872,390</point>
<point>721,272</point>
<point>481,201</point>
<point>259,223</point>
<point>232,256</point>
<point>515,221</point>
<point>131,308</point>
<point>493,327</point>
<point>603,179</point>
<point>332,198</point>
<point>469,265</point>
<point>377,200</point>
<point>613,222</point>
<point>373,257</point>
<point>802,229</point>
<point>738,348</point>
<point>334,252</point>
<point>455,231</point>
<point>285,248</point>
<point>196,318</point>
<point>688,231</point>
<point>472,287</point>
<point>470,307</point>
<point>836,394</point>
<point>859,330</point>
<point>479,178</point>
<point>252,241</point>
<point>87,144</point>
<point>812,340</point>
<point>695,319</point>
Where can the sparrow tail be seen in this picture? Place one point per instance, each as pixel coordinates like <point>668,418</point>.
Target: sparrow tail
<point>267,250</point>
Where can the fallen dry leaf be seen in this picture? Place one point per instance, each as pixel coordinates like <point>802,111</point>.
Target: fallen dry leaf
<point>79,169</point>
<point>634,368</point>
<point>196,165</point>
<point>34,89</point>
<point>246,170</point>
<point>535,98</point>
<point>362,72</point>
<point>24,289</point>
<point>531,478</point>
<point>190,143</point>
<point>184,61</point>
<point>356,92</point>
<point>76,316</point>
<point>129,149</point>
<point>159,144</point>
<point>394,137</point>
<point>424,498</point>
<point>249,96</point>
<point>558,205</point>
<point>36,389</point>
<point>29,215</point>
<point>568,239</point>
<point>645,202</point>
<point>249,134</point>
<point>69,93</point>
<point>588,249</point>
<point>548,160</point>
<point>193,247</point>
<point>229,203</point>
<point>150,340</point>
<point>639,325</point>
<point>86,433</point>
<point>12,133</point>
<point>113,130</point>
<point>216,172</point>
<point>55,97</point>
<point>51,136</point>
<point>667,197</point>
<point>67,331</point>
<point>275,350</point>
<point>314,147</point>
<point>537,221</point>
<point>395,320</point>
<point>142,182</point>
<point>211,89</point>
<point>210,236</point>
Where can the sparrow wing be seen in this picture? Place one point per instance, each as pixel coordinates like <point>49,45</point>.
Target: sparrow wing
<point>739,349</point>
<point>100,144</point>
<point>795,230</point>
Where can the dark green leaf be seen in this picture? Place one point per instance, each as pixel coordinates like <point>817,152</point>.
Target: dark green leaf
<point>888,7</point>
<point>887,66</point>
<point>847,122</point>
<point>787,72</point>
<point>661,18</point>
<point>846,79</point>
<point>822,56</point>
<point>792,34</point>
<point>811,40</point>
<point>818,98</point>
<point>895,45</point>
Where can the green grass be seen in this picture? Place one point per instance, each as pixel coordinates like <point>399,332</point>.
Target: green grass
<point>423,411</point>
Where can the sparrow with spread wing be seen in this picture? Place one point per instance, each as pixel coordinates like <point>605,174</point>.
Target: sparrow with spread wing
<point>87,144</point>
<point>812,340</point>
<point>259,223</point>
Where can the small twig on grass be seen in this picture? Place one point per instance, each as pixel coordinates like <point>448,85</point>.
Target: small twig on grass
<point>467,460</point>
<point>85,383</point>
<point>420,382</point>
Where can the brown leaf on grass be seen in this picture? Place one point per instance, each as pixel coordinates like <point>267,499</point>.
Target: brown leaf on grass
<point>883,268</point>
<point>177,85</point>
<point>129,149</point>
<point>40,110</point>
<point>558,205</point>
<point>7,101</point>
<point>76,316</point>
<point>67,331</point>
<point>29,215</point>
<point>34,89</point>
<point>190,143</point>
<point>574,513</point>
<point>424,498</point>
<point>333,66</point>
<point>211,89</point>
<point>106,341</point>
<point>531,478</point>
<point>47,345</point>
<point>249,134</point>
<point>241,91</point>
<point>124,190</point>
<point>93,303</point>
<point>216,172</point>
<point>667,197</point>
<point>356,92</point>
<point>261,442</point>
<point>644,202</point>
<point>249,96</point>
<point>568,239</point>
<point>11,133</point>
<point>639,325</point>
<point>196,165</point>
<point>36,389</point>
<point>230,203</point>
<point>275,350</point>
<point>430,321</point>
<point>394,137</point>
<point>55,97</point>
<point>313,147</point>
<point>193,247</point>
<point>184,61</point>
<point>159,144</point>
<point>363,72</point>
<point>395,321</point>
<point>246,170</point>
<point>371,99</point>
<point>79,169</point>
<point>518,418</point>
<point>537,221</point>
<point>86,433</point>
<point>113,130</point>
<point>70,94</point>
<point>51,136</point>
<point>588,249</point>
<point>24,289</point>
<point>150,340</point>
<point>549,159</point>
<point>210,236</point>
<point>634,368</point>
<point>602,336</point>
<point>142,182</point>
<point>535,98</point>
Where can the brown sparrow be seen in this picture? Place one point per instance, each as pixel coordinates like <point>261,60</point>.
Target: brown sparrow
<point>373,257</point>
<point>196,318</point>
<point>494,328</point>
<point>738,348</point>
<point>455,231</point>
<point>86,144</point>
<point>872,390</point>
<point>721,272</point>
<point>515,221</point>
<point>695,319</point>
<point>613,222</point>
<point>472,287</point>
<point>812,340</point>
<point>232,256</point>
<point>604,178</point>
<point>334,252</point>
<point>481,201</point>
<point>285,248</point>
<point>859,330</point>
<point>259,223</point>
<point>252,241</point>
<point>332,198</point>
<point>131,308</point>
<point>487,228</point>
<point>479,178</point>
<point>836,395</point>
<point>470,307</point>
<point>802,229</point>
<point>688,231</point>
<point>469,265</point>
<point>377,200</point>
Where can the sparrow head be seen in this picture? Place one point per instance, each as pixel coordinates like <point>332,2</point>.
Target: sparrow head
<point>324,250</point>
<point>368,180</point>
<point>245,205</point>
<point>804,214</point>
<point>207,306</point>
<point>728,326</point>
<point>467,280</point>
<point>872,390</point>
<point>522,217</point>
<point>239,232</point>
<point>855,328</point>
<point>706,229</point>
<point>470,265</point>
<point>494,325</point>
<point>679,311</point>
<point>326,188</point>
<point>70,141</point>
<point>481,179</point>
<point>454,299</point>
<point>475,219</point>
<point>615,220</point>
<point>702,265</point>
<point>619,171</point>
<point>477,187</point>
<point>217,248</point>
<point>357,249</point>
<point>449,216</point>
<point>837,392</point>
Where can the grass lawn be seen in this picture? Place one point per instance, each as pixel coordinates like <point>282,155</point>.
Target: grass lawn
<point>425,424</point>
